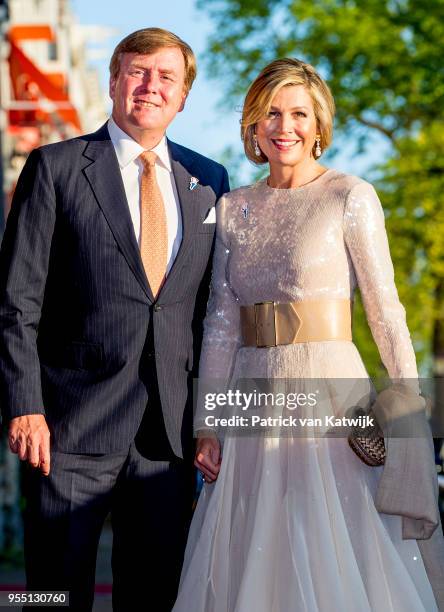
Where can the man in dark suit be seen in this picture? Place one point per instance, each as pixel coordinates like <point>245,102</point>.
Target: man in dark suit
<point>104,273</point>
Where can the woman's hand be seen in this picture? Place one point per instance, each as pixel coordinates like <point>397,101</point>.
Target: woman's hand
<point>208,456</point>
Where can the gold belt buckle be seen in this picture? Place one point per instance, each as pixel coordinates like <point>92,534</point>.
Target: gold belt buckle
<point>264,314</point>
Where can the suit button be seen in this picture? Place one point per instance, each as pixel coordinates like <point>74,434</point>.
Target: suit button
<point>150,354</point>
<point>157,307</point>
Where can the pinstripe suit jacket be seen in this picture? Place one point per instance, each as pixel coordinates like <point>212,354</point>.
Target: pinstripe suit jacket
<point>79,327</point>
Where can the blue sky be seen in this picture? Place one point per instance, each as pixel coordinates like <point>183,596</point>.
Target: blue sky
<point>208,124</point>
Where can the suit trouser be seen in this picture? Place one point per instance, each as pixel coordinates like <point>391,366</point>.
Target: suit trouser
<point>150,504</point>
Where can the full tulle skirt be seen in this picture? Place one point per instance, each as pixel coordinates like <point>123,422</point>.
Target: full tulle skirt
<point>291,524</point>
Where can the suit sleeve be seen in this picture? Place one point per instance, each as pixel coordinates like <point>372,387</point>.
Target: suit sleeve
<point>225,183</point>
<point>24,261</point>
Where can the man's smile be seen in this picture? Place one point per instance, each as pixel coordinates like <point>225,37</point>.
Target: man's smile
<point>145,103</point>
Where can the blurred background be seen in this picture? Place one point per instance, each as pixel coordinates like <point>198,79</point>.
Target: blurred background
<point>383,62</point>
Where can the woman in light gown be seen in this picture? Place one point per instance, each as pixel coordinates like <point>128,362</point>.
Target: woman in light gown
<point>287,523</point>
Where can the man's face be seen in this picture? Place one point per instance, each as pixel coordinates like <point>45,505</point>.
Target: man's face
<point>148,93</point>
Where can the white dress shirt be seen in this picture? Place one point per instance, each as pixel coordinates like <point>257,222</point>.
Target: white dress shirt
<point>128,151</point>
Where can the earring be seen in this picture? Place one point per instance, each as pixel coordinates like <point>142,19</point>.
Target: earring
<point>318,150</point>
<point>256,146</point>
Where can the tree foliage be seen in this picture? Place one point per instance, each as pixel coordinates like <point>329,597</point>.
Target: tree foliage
<point>412,190</point>
<point>382,59</point>
<point>383,62</point>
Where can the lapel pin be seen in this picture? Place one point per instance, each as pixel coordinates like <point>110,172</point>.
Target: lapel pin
<point>244,210</point>
<point>193,183</point>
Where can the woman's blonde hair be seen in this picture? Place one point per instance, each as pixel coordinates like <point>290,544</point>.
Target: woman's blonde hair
<point>148,41</point>
<point>281,73</point>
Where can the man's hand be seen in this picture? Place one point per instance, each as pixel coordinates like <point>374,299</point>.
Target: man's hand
<point>29,437</point>
<point>208,457</point>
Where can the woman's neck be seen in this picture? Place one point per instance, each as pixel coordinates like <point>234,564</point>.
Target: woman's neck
<point>290,177</point>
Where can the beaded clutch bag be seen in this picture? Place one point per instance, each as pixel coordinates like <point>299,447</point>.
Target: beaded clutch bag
<point>368,444</point>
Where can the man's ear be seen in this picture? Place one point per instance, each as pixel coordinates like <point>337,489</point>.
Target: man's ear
<point>112,87</point>
<point>182,104</point>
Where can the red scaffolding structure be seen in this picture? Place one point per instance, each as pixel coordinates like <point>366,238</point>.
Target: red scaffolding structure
<point>36,105</point>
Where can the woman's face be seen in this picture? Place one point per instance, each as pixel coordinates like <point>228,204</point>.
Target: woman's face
<point>287,134</point>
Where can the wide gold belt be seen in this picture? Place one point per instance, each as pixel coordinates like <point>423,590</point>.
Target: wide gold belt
<point>267,324</point>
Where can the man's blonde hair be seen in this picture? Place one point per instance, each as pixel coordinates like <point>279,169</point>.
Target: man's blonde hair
<point>148,41</point>
<point>281,73</point>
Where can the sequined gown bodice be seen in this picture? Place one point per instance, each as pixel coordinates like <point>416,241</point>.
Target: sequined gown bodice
<point>312,243</point>
<point>290,524</point>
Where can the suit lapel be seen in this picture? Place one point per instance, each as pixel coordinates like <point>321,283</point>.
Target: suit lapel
<point>105,178</point>
<point>190,204</point>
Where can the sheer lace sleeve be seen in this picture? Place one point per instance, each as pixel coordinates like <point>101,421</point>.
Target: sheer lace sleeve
<point>222,337</point>
<point>366,240</point>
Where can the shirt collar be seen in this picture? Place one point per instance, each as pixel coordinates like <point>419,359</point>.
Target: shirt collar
<point>128,150</point>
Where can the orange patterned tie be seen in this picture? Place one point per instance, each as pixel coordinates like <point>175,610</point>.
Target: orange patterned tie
<point>153,225</point>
